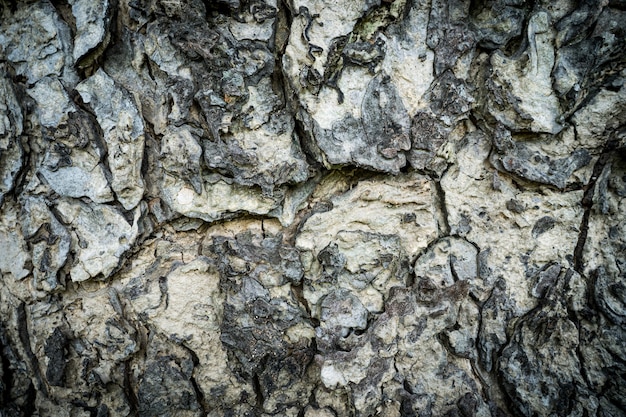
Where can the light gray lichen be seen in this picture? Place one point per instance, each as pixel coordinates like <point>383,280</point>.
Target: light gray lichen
<point>310,208</point>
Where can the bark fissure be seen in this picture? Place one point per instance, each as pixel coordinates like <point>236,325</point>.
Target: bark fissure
<point>268,207</point>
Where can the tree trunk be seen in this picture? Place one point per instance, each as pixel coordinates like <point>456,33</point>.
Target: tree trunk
<point>312,208</point>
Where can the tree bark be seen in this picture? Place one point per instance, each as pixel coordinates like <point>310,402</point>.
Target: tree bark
<point>312,208</point>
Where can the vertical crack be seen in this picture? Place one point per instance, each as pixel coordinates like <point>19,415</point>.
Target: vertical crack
<point>199,394</point>
<point>133,402</point>
<point>64,9</point>
<point>7,371</point>
<point>587,204</point>
<point>256,384</point>
<point>24,334</point>
<point>442,209</point>
<point>298,293</point>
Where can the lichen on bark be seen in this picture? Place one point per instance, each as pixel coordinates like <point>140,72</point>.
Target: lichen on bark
<point>308,208</point>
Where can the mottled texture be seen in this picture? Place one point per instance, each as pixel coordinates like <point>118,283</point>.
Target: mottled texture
<point>312,208</point>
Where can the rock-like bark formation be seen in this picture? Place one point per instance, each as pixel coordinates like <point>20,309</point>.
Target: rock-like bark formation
<point>312,208</point>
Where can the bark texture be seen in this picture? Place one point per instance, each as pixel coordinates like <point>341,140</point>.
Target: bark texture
<point>312,208</point>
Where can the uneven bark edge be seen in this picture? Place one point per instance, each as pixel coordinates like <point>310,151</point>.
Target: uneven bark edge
<point>310,208</point>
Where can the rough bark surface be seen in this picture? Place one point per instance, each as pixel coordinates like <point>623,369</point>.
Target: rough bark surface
<point>312,208</point>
